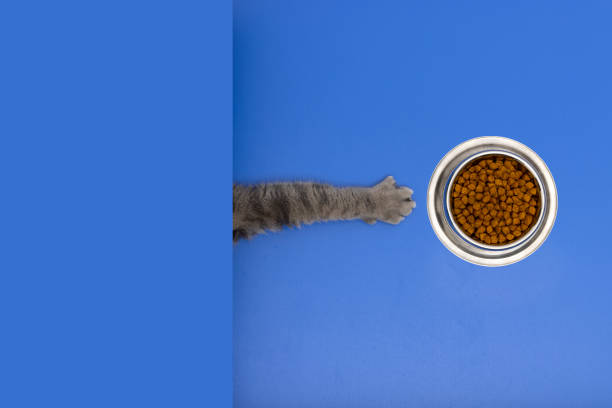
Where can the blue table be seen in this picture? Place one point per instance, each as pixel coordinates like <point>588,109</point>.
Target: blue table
<point>351,315</point>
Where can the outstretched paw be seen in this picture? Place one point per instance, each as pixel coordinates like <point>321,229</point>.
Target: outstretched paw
<point>393,202</point>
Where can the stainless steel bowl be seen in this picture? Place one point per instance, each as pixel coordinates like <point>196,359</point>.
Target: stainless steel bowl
<point>438,202</point>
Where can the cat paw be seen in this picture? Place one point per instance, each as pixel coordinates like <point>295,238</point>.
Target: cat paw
<point>392,202</point>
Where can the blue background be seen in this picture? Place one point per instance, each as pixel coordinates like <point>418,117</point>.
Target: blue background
<point>115,174</point>
<point>346,314</point>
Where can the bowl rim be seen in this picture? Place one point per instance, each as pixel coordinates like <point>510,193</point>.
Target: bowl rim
<point>436,207</point>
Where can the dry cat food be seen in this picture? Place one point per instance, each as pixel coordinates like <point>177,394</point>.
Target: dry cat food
<point>495,200</point>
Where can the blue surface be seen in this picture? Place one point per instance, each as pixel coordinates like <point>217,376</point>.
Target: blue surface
<point>350,315</point>
<point>115,288</point>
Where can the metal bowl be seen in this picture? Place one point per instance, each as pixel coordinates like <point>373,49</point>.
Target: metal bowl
<point>443,223</point>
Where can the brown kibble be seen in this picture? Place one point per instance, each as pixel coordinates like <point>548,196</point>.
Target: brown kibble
<point>495,199</point>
